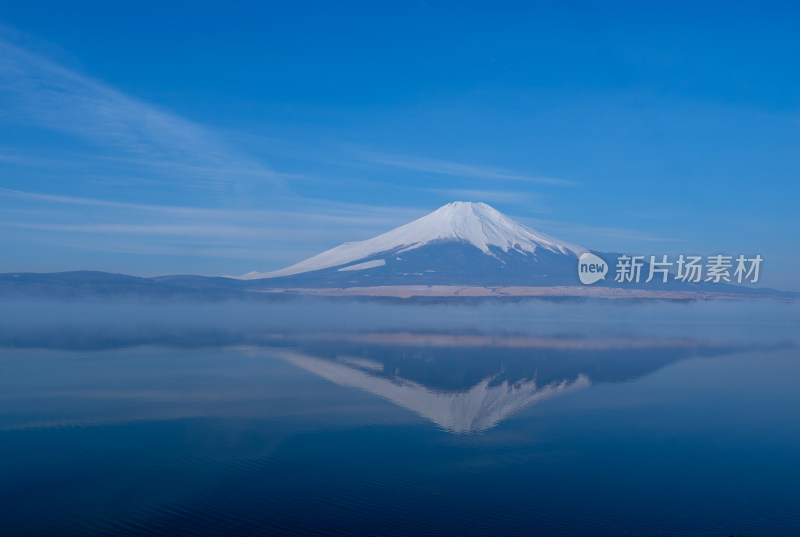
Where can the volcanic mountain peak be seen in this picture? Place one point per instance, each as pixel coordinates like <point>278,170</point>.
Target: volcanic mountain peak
<point>476,224</point>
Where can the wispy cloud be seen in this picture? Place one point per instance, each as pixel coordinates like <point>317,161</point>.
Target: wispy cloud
<point>157,148</point>
<point>445,167</point>
<point>36,90</point>
<point>588,233</point>
<point>204,231</point>
<point>527,199</point>
<point>347,214</point>
<point>273,238</point>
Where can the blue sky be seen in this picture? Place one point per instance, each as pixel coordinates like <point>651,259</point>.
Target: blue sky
<point>183,137</point>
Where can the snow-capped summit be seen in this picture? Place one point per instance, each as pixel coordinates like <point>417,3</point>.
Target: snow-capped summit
<point>464,223</point>
<point>477,224</point>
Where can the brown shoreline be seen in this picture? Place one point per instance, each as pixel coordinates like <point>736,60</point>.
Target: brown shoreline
<point>411,291</point>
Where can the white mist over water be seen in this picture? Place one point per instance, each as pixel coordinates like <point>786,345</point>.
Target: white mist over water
<point>712,321</point>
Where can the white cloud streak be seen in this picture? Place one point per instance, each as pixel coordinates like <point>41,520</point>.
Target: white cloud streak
<point>589,232</point>
<point>444,167</point>
<point>333,213</point>
<point>491,196</point>
<point>36,90</point>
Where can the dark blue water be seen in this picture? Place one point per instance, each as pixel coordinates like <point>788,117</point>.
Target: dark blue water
<point>523,420</point>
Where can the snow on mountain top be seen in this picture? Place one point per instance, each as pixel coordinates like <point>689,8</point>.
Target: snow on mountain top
<point>473,223</point>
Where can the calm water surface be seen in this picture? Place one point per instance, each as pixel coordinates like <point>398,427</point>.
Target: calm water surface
<point>516,420</point>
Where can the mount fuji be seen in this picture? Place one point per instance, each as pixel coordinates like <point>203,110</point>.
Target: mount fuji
<point>461,243</point>
<point>460,250</point>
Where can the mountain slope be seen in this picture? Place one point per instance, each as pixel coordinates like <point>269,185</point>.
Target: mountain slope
<point>467,249</point>
<point>475,224</point>
<point>461,242</point>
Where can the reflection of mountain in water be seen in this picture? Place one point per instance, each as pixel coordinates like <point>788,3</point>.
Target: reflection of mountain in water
<point>461,382</point>
<point>480,407</point>
<point>471,387</point>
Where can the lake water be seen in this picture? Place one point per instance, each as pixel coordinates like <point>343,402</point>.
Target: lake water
<point>361,419</point>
